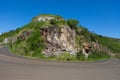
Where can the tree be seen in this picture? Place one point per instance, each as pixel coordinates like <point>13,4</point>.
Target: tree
<point>72,23</point>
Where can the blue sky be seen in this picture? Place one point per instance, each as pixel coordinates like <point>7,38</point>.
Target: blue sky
<point>100,16</point>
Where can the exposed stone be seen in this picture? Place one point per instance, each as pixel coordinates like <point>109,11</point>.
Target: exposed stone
<point>58,40</point>
<point>86,49</point>
<point>6,40</point>
<point>101,48</point>
<point>24,35</point>
<point>45,18</point>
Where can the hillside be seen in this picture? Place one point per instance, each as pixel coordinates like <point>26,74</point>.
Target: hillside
<point>52,37</point>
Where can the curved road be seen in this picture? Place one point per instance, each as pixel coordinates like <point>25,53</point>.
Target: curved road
<point>14,67</point>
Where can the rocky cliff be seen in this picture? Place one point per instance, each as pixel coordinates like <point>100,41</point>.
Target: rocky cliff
<point>51,35</point>
<point>58,40</point>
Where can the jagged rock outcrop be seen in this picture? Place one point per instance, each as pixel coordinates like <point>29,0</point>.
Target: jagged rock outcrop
<point>24,35</point>
<point>58,40</point>
<point>101,48</point>
<point>6,41</point>
<point>86,49</point>
<point>46,17</point>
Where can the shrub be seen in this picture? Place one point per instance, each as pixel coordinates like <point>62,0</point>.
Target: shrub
<point>35,41</point>
<point>80,56</point>
<point>57,22</point>
<point>72,23</point>
<point>66,56</point>
<point>98,55</point>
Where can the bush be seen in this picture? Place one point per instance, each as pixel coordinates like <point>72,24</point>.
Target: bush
<point>112,44</point>
<point>80,56</point>
<point>57,22</point>
<point>66,56</point>
<point>38,53</point>
<point>72,23</point>
<point>35,41</point>
<point>98,55</point>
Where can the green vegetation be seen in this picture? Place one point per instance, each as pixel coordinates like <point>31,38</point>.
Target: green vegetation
<point>111,43</point>
<point>97,55</point>
<point>72,23</point>
<point>58,22</point>
<point>33,44</point>
<point>66,57</point>
<point>29,42</point>
<point>80,56</point>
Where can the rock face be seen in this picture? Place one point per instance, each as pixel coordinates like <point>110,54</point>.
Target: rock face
<point>5,41</point>
<point>24,35</point>
<point>86,49</point>
<point>45,18</point>
<point>58,40</point>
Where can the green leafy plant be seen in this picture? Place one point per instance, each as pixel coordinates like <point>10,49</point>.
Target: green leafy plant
<point>66,57</point>
<point>80,56</point>
<point>72,23</point>
<point>96,55</point>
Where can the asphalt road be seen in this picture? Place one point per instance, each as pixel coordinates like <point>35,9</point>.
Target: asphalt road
<point>14,67</point>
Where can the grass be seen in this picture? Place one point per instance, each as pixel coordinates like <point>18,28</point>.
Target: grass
<point>64,57</point>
